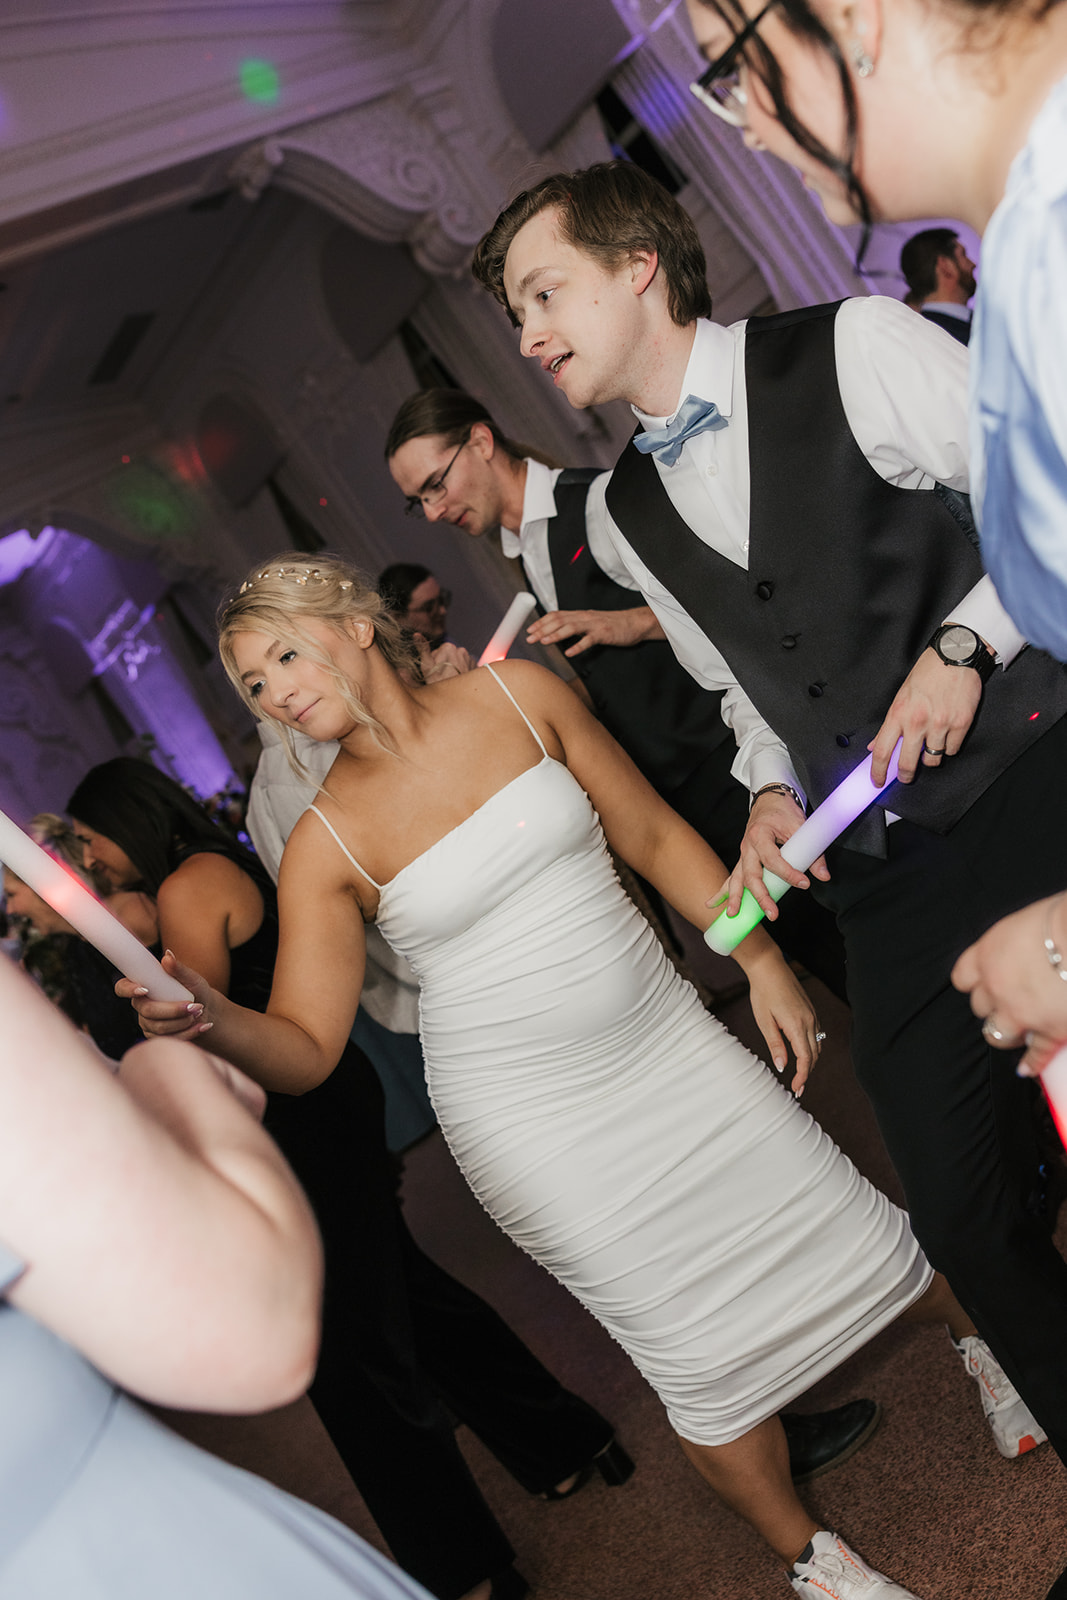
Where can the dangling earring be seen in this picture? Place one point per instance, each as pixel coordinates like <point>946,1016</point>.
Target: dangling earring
<point>862,62</point>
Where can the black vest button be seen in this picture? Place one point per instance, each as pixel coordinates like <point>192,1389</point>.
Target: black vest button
<point>843,740</point>
<point>765,590</point>
<point>815,690</point>
<point>789,642</point>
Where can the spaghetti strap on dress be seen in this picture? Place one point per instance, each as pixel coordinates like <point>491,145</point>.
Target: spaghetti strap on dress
<point>498,679</point>
<point>330,827</point>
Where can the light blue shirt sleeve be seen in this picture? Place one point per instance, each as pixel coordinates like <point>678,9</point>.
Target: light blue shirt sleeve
<point>1019,386</point>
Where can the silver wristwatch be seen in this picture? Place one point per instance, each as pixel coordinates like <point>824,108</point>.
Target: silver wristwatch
<point>959,646</point>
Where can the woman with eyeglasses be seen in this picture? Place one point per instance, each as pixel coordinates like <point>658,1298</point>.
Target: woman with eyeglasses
<point>958,108</point>
<point>925,108</point>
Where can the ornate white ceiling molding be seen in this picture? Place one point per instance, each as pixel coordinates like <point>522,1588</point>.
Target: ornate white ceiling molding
<point>386,170</point>
<point>102,95</point>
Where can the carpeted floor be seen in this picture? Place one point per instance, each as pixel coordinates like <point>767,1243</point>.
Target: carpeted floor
<point>929,1499</point>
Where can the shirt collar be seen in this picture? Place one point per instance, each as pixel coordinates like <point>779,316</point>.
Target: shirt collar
<point>538,503</point>
<point>709,374</point>
<point>948,308</point>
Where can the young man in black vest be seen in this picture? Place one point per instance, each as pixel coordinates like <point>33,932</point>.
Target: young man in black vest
<point>455,465</point>
<point>791,513</point>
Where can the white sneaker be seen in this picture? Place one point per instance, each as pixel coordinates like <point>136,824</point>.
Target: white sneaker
<point>837,1573</point>
<point>1015,1429</point>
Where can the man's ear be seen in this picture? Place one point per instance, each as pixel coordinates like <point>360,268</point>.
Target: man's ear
<point>644,265</point>
<point>481,438</point>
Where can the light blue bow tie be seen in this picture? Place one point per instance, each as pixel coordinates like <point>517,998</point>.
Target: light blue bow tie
<point>692,417</point>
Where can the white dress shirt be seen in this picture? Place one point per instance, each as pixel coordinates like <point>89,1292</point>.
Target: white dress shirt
<point>530,543</point>
<point>903,384</point>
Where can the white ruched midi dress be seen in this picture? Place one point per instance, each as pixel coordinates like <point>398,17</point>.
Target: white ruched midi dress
<point>619,1134</point>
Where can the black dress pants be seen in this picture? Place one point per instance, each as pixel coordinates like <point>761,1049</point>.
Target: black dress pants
<point>406,1349</point>
<point>713,803</point>
<point>956,1120</point>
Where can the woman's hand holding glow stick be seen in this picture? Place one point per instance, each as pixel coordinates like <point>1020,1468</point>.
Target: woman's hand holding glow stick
<point>837,812</point>
<point>85,913</point>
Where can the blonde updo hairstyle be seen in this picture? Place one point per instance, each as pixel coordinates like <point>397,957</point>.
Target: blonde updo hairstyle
<point>277,597</point>
<point>55,835</point>
<point>57,838</point>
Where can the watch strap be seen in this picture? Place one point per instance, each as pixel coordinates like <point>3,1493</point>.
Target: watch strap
<point>982,660</point>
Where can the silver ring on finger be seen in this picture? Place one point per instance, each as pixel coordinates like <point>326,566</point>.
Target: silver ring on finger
<point>820,1037</point>
<point>928,752</point>
<point>991,1032</point>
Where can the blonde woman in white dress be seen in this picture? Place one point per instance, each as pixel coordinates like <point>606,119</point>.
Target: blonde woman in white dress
<point>614,1129</point>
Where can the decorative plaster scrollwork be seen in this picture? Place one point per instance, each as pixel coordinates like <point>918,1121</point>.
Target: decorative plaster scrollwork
<point>386,172</point>
<point>255,167</point>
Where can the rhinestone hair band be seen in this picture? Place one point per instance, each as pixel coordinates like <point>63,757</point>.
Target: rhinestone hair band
<point>299,575</point>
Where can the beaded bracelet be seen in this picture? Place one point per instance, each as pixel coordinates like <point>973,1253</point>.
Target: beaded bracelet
<point>1053,954</point>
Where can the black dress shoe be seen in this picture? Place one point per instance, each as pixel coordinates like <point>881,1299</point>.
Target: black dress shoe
<point>1059,1588</point>
<point>820,1440</point>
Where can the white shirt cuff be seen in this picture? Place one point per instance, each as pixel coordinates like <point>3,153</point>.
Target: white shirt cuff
<point>982,611</point>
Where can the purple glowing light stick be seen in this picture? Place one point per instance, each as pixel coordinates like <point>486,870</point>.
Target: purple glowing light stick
<point>837,812</point>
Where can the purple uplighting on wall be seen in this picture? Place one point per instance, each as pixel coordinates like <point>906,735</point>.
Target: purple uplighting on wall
<point>94,616</point>
<point>662,110</point>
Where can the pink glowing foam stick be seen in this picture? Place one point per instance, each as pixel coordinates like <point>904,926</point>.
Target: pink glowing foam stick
<point>508,631</point>
<point>1053,1079</point>
<point>68,895</point>
<point>837,812</point>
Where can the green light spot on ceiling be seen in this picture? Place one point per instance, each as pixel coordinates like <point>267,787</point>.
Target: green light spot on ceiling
<point>149,503</point>
<point>260,81</point>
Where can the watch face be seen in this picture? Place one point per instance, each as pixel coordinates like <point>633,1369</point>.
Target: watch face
<point>958,643</point>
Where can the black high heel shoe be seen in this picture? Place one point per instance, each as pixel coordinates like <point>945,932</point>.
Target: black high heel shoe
<point>613,1465</point>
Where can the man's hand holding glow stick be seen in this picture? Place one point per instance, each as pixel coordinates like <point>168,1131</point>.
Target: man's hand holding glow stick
<point>837,812</point>
<point>85,913</point>
<point>508,631</point>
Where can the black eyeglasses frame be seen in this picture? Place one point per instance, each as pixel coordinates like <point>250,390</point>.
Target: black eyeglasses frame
<point>415,504</point>
<point>722,67</point>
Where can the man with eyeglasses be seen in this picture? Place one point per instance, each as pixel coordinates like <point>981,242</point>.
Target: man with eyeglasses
<point>417,600</point>
<point>790,509</point>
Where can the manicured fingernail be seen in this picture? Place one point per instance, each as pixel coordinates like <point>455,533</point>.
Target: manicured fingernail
<point>141,991</point>
<point>204,1026</point>
<point>194,1009</point>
